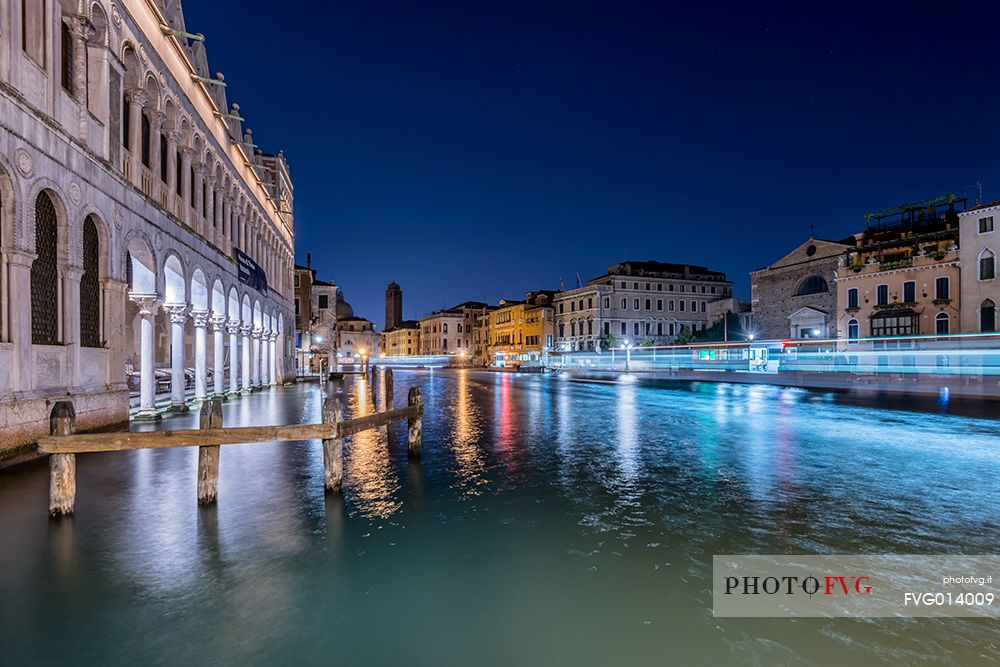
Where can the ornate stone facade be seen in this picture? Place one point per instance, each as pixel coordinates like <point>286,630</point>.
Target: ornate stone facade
<point>126,185</point>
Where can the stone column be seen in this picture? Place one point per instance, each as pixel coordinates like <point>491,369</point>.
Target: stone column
<point>218,356</point>
<point>155,125</point>
<point>200,318</point>
<point>147,304</point>
<point>113,331</point>
<point>263,358</point>
<point>208,232</point>
<point>171,183</point>
<point>234,354</point>
<point>71,276</point>
<point>83,31</point>
<point>185,213</point>
<point>178,315</point>
<point>197,220</point>
<point>137,100</point>
<point>273,374</point>
<point>19,291</point>
<point>245,359</point>
<point>255,358</point>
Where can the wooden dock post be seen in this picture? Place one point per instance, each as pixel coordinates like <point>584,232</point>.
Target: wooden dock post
<point>333,448</point>
<point>62,467</point>
<point>208,455</point>
<point>387,390</point>
<point>415,423</point>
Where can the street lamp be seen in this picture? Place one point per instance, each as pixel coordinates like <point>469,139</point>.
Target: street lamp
<point>628,353</point>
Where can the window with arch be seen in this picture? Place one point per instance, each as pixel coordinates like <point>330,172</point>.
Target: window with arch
<point>572,328</point>
<point>812,285</point>
<point>853,329</point>
<point>66,52</point>
<point>164,155</point>
<point>126,121</point>
<point>987,316</point>
<point>942,324</point>
<point>987,265</point>
<point>90,287</point>
<point>45,275</point>
<point>145,149</point>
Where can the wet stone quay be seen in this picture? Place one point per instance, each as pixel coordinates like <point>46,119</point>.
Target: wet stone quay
<point>547,521</point>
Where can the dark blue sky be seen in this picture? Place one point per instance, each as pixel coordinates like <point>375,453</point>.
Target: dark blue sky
<point>473,150</point>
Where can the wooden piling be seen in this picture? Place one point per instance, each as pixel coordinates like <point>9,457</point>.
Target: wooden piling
<point>415,423</point>
<point>387,392</point>
<point>62,467</point>
<point>208,456</point>
<point>333,447</point>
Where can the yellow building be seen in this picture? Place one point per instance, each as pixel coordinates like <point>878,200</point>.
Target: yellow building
<point>521,332</point>
<point>402,341</point>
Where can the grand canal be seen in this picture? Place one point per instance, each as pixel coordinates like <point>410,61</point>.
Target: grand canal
<point>550,521</point>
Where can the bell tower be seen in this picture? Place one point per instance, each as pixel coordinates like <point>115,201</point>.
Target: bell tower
<point>393,306</point>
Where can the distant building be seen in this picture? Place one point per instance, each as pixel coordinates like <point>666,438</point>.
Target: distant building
<point>315,320</point>
<point>649,301</point>
<point>402,340</point>
<point>356,337</point>
<point>522,332</point>
<point>741,317</point>
<point>450,331</point>
<point>902,278</point>
<point>979,244</point>
<point>795,297</point>
<point>393,307</point>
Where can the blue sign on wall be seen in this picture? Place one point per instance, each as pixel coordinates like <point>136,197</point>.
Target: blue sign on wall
<point>249,272</point>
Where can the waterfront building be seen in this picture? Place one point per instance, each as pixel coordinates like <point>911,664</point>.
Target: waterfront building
<point>902,277</point>
<point>795,296</point>
<point>141,231</point>
<point>393,307</point>
<point>642,302</point>
<point>357,339</point>
<point>315,320</point>
<point>740,314</point>
<point>450,331</point>
<point>401,341</point>
<point>978,250</point>
<point>521,333</point>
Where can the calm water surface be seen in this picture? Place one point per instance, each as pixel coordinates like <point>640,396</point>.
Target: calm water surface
<point>549,521</point>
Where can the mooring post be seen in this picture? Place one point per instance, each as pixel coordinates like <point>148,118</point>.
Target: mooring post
<point>208,456</point>
<point>415,423</point>
<point>333,447</point>
<point>62,467</point>
<point>387,389</point>
<point>372,388</point>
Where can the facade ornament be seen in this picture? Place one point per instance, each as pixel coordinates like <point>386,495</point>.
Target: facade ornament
<point>116,16</point>
<point>119,218</point>
<point>218,323</point>
<point>83,28</point>
<point>233,327</point>
<point>143,56</point>
<point>137,96</point>
<point>147,303</point>
<point>23,161</point>
<point>200,318</point>
<point>177,311</point>
<point>75,194</point>
<point>158,240</point>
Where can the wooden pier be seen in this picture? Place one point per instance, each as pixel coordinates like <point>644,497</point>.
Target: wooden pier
<point>64,444</point>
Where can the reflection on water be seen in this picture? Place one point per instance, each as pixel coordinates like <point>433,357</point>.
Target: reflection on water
<point>548,521</point>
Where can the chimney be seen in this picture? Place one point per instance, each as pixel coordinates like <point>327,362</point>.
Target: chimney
<point>309,260</point>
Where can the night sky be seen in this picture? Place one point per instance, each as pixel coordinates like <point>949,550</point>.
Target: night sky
<point>472,150</point>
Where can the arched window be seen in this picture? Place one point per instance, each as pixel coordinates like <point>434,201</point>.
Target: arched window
<point>44,275</point>
<point>812,285</point>
<point>562,329</point>
<point>145,139</point>
<point>942,324</point>
<point>853,330</point>
<point>164,154</point>
<point>67,58</point>
<point>987,265</point>
<point>987,316</point>
<point>572,328</point>
<point>90,287</point>
<point>126,121</point>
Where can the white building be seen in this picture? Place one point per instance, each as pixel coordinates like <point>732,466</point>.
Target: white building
<point>652,302</point>
<point>128,192</point>
<point>979,244</point>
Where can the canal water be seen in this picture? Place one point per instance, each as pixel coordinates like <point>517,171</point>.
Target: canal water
<point>550,521</point>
